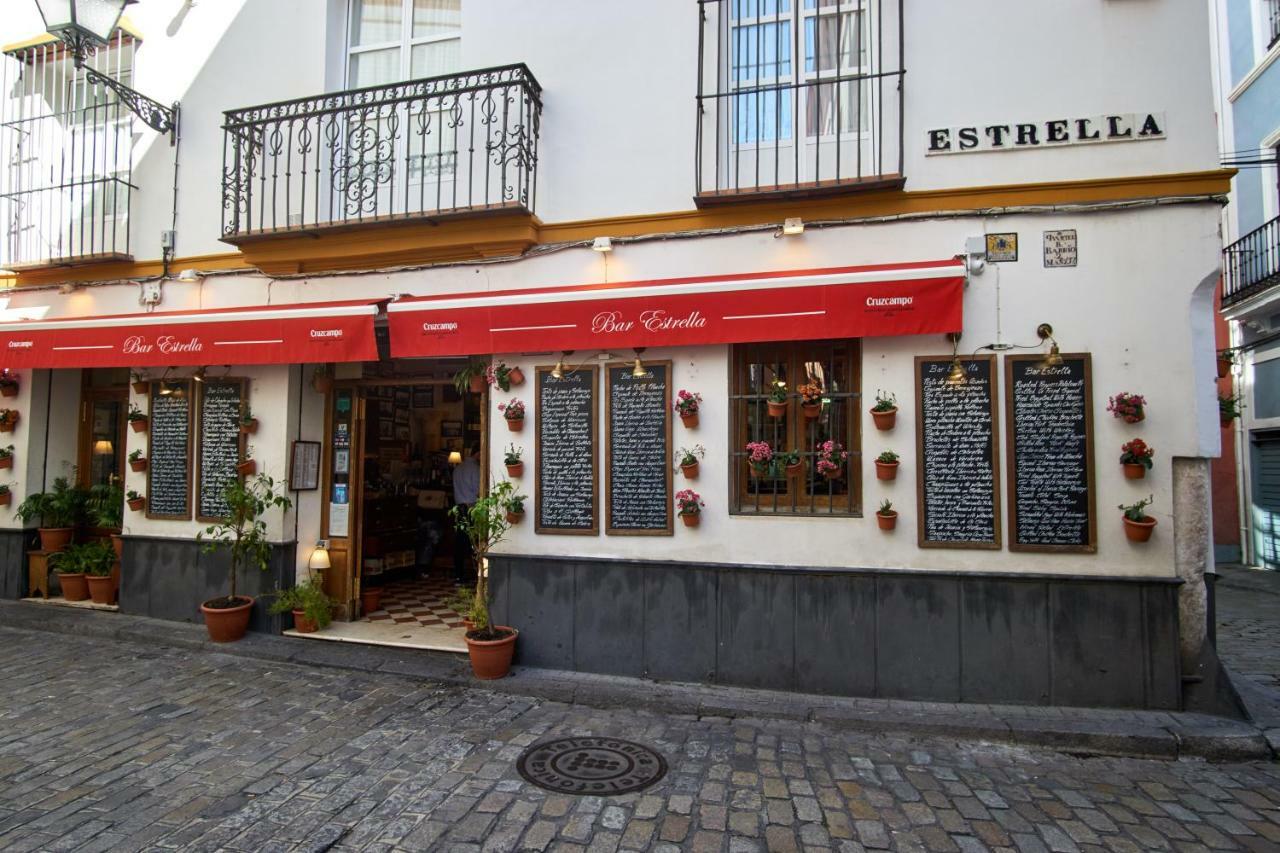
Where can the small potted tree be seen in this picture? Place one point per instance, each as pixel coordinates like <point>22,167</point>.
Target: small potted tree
<point>137,418</point>
<point>1130,408</point>
<point>760,458</point>
<point>687,458</point>
<point>1135,456</point>
<point>6,457</point>
<point>686,406</point>
<point>514,506</point>
<point>886,515</point>
<point>885,411</point>
<point>136,501</point>
<point>887,466</point>
<point>248,423</point>
<point>1138,526</point>
<point>513,413</point>
<point>8,383</point>
<point>831,459</point>
<point>778,399</point>
<point>137,462</point>
<point>1228,408</point>
<point>810,399</point>
<point>490,647</point>
<point>312,610</point>
<point>243,533</point>
<point>59,511</point>
<point>8,420</point>
<point>791,461</point>
<point>513,459</point>
<point>689,506</point>
<point>247,466</point>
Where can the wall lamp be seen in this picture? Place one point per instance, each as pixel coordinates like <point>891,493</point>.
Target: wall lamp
<point>83,25</point>
<point>1052,358</point>
<point>638,371</point>
<point>792,226</point>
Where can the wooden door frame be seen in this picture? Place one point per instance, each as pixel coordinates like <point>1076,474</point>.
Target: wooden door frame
<point>84,447</point>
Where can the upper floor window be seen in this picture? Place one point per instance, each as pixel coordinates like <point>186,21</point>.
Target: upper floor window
<point>1270,10</point>
<point>394,40</point>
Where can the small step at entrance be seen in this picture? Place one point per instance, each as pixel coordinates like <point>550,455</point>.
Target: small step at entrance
<point>59,601</point>
<point>390,634</point>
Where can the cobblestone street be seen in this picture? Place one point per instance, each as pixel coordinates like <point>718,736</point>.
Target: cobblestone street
<point>1249,623</point>
<point>115,746</point>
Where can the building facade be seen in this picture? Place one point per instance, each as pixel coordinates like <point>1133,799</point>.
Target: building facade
<point>997,244</point>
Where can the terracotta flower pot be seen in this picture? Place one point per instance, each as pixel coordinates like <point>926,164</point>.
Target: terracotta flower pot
<point>10,390</point>
<point>1135,419</point>
<point>811,410</point>
<point>516,470</point>
<point>1138,531</point>
<point>227,624</point>
<point>6,462</point>
<point>1226,421</point>
<point>1134,471</point>
<point>690,471</point>
<point>833,473</point>
<point>886,470</point>
<point>886,419</point>
<point>138,424</point>
<point>758,470</point>
<point>515,376</point>
<point>247,468</point>
<point>1224,368</point>
<point>690,421</point>
<point>796,469</point>
<point>6,498</point>
<point>302,624</point>
<point>491,659</point>
<point>777,410</point>
<point>370,599</point>
<point>100,588</point>
<point>322,383</point>
<point>143,388</point>
<point>9,423</point>
<point>887,520</point>
<point>137,464</point>
<point>515,517</point>
<point>515,424</point>
<point>249,427</point>
<point>74,586</point>
<point>117,545</point>
<point>136,504</point>
<point>55,538</point>
<point>476,383</point>
<point>691,519</point>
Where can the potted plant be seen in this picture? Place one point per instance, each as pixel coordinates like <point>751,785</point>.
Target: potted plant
<point>247,466</point>
<point>514,506</point>
<point>810,399</point>
<point>686,406</point>
<point>136,501</point>
<point>504,377</point>
<point>886,515</point>
<point>1226,358</point>
<point>1228,408</point>
<point>244,534</point>
<point>489,646</point>
<point>512,458</point>
<point>59,512</point>
<point>790,461</point>
<point>831,459</point>
<point>760,458</point>
<point>370,599</point>
<point>248,423</point>
<point>1128,407</point>
<point>1138,526</point>
<point>98,560</point>
<point>689,504</point>
<point>8,420</point>
<point>137,462</point>
<point>322,379</point>
<point>887,466</point>
<point>105,505</point>
<point>137,419</point>
<point>688,457</point>
<point>513,412</point>
<point>140,383</point>
<point>515,376</point>
<point>778,399</point>
<point>471,378</point>
<point>6,457</point>
<point>69,564</point>
<point>1135,456</point>
<point>8,383</point>
<point>6,496</point>
<point>885,411</point>
<point>312,609</point>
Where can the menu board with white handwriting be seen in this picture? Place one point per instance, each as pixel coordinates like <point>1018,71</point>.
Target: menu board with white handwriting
<point>566,452</point>
<point>638,460</point>
<point>221,403</point>
<point>169,450</point>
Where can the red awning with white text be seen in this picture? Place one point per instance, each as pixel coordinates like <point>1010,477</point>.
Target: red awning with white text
<point>279,334</point>
<point>845,302</point>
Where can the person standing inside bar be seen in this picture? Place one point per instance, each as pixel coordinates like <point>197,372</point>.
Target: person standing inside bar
<point>466,490</point>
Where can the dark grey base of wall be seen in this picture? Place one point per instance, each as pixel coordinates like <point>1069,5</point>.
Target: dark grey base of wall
<point>169,578</point>
<point>13,562</point>
<point>948,637</point>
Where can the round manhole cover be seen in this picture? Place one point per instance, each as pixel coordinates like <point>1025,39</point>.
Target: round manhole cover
<point>601,766</point>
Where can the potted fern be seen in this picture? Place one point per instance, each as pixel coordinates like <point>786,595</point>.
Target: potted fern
<point>312,610</point>
<point>59,511</point>
<point>490,647</point>
<point>470,378</point>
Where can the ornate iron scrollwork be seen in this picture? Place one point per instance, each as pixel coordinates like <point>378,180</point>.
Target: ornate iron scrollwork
<point>154,114</point>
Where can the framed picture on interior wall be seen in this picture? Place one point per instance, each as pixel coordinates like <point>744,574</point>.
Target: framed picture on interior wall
<point>424,396</point>
<point>402,398</point>
<point>402,416</point>
<point>386,429</point>
<point>451,429</point>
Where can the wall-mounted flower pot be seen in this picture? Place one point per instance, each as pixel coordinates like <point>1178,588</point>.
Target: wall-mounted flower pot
<point>9,423</point>
<point>833,473</point>
<point>691,519</point>
<point>886,470</point>
<point>514,517</point>
<point>6,462</point>
<point>1226,421</point>
<point>302,624</point>
<point>777,410</point>
<point>887,520</point>
<point>515,424</point>
<point>249,427</point>
<point>138,424</point>
<point>690,471</point>
<point>690,421</point>
<point>1134,471</point>
<point>247,468</point>
<point>6,498</point>
<point>491,659</point>
<point>811,410</point>
<point>515,376</point>
<point>1138,531</point>
<point>137,465</point>
<point>100,588</point>
<point>74,586</point>
<point>795,469</point>
<point>516,470</point>
<point>9,389</point>
<point>137,504</point>
<point>322,383</point>
<point>227,624</point>
<point>476,383</point>
<point>143,388</point>
<point>885,420</point>
<point>55,538</point>
<point>1224,368</point>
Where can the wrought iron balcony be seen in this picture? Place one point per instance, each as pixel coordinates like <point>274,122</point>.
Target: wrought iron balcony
<point>462,143</point>
<point>1251,264</point>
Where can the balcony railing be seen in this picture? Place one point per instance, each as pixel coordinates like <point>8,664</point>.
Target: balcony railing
<point>798,98</point>
<point>461,143</point>
<point>1251,264</point>
<point>1271,8</point>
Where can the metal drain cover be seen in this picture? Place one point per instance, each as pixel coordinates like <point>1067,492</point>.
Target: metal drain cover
<point>600,766</point>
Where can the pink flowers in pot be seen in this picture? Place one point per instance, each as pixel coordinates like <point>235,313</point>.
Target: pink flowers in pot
<point>514,414</point>
<point>760,457</point>
<point>689,503</point>
<point>1128,407</point>
<point>831,458</point>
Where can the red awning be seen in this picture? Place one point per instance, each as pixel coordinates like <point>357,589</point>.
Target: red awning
<point>278,334</point>
<point>844,302</point>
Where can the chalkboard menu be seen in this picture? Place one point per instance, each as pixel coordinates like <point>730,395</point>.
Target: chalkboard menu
<point>221,403</point>
<point>638,456</point>
<point>566,442</point>
<point>169,450</point>
<point>1049,412</point>
<point>958,455</point>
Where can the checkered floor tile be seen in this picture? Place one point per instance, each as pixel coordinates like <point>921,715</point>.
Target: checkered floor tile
<point>418,602</point>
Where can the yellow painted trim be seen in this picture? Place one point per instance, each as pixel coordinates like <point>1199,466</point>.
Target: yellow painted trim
<point>512,232</point>
<point>44,38</point>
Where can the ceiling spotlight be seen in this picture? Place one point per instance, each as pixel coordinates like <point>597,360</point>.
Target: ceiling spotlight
<point>602,244</point>
<point>793,226</point>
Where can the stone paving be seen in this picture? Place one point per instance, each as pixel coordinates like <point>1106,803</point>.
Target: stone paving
<point>1248,603</point>
<point>113,746</point>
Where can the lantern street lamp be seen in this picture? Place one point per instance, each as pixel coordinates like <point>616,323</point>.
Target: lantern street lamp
<point>86,24</point>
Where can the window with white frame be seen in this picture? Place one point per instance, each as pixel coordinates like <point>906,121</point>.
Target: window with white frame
<point>394,40</point>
